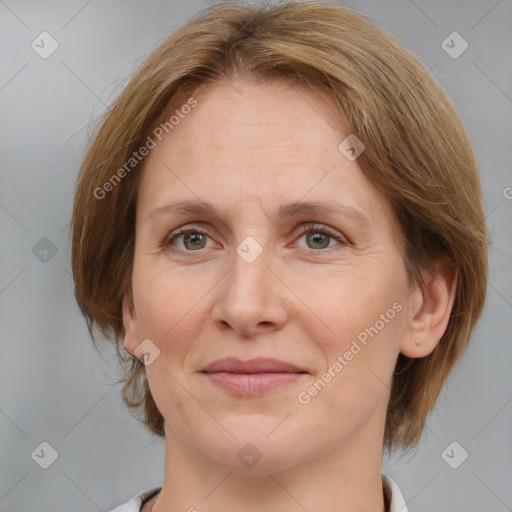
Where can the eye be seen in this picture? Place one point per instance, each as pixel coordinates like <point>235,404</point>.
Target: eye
<point>319,236</point>
<point>193,239</point>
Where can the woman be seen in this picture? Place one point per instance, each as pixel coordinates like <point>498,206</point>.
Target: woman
<point>280,221</point>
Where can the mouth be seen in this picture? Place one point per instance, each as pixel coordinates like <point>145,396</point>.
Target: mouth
<point>253,377</point>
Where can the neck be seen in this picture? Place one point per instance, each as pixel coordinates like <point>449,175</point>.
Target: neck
<point>344,478</point>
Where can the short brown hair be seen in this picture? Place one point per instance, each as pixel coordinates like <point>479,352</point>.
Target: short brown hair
<point>417,153</point>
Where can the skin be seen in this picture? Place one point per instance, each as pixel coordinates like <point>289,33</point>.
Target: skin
<point>249,147</point>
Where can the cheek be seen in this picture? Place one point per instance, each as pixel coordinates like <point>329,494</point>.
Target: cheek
<point>359,359</point>
<point>168,303</point>
<point>365,314</point>
<point>357,302</point>
<point>168,310</point>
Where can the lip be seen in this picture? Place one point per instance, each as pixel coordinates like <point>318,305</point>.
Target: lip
<point>253,377</point>
<point>256,365</point>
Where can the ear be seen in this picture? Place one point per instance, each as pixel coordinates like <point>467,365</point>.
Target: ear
<point>132,341</point>
<point>430,308</point>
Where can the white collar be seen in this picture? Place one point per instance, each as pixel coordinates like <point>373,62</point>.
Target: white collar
<point>397,502</point>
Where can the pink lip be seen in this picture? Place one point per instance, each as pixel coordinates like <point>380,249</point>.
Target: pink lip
<point>256,365</point>
<point>251,384</point>
<point>252,377</point>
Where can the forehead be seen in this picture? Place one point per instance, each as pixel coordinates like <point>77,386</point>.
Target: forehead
<point>265,140</point>
<point>241,122</point>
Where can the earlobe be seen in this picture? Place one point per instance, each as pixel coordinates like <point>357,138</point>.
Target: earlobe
<point>431,306</point>
<point>131,338</point>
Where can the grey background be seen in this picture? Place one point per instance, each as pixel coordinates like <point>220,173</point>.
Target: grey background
<point>54,387</point>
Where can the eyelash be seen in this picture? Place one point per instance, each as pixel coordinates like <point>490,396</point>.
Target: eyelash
<point>313,228</point>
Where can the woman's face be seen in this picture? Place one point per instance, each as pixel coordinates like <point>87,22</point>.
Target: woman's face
<point>322,289</point>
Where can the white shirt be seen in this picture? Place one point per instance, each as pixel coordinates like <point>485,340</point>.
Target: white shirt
<point>135,504</point>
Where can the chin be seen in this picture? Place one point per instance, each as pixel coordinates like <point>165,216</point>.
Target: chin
<point>255,449</point>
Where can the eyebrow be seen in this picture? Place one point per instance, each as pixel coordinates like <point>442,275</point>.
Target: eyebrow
<point>285,210</point>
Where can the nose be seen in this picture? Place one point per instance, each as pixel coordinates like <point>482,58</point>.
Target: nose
<point>251,298</point>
